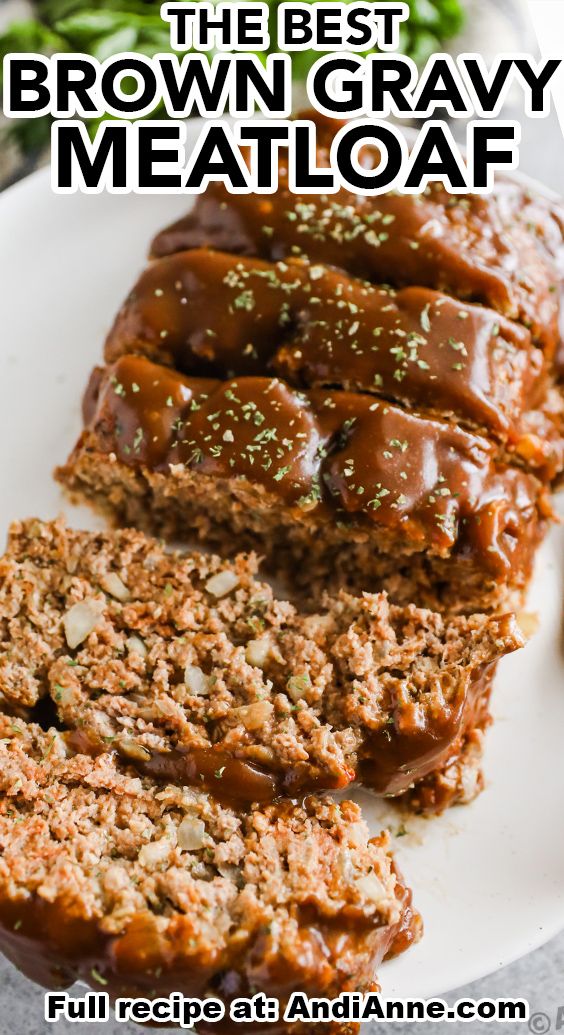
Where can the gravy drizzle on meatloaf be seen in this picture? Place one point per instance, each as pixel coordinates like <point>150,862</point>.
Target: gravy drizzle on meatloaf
<point>150,889</point>
<point>331,482</point>
<point>209,313</point>
<point>503,249</point>
<point>193,672</point>
<point>359,435</point>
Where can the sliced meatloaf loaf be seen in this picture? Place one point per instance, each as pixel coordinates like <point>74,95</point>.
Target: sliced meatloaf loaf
<point>333,487</point>
<point>141,888</point>
<point>503,249</point>
<point>194,673</point>
<point>211,313</point>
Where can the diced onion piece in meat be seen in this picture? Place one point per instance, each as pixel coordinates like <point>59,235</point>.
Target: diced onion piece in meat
<point>132,749</point>
<point>298,686</point>
<point>135,645</point>
<point>154,853</point>
<point>191,834</point>
<point>196,681</point>
<point>221,584</point>
<point>358,835</point>
<point>258,651</point>
<point>253,716</point>
<point>372,888</point>
<point>112,584</point>
<point>79,622</point>
<point>64,695</point>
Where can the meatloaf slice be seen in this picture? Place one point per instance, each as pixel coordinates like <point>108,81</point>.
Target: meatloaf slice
<point>211,313</point>
<point>193,672</point>
<point>140,888</point>
<point>334,488</point>
<point>503,249</point>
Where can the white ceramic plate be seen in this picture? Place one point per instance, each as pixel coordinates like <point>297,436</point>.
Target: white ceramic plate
<point>488,878</point>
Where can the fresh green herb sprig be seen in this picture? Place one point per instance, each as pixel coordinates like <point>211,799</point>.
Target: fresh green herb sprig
<point>103,28</point>
<point>100,28</point>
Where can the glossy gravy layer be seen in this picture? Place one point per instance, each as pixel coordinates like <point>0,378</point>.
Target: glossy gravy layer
<point>421,484</point>
<point>503,249</point>
<point>210,313</point>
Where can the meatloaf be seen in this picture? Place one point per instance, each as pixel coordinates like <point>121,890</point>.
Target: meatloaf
<point>333,487</point>
<point>144,888</point>
<point>213,314</point>
<point>192,671</point>
<point>503,249</point>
